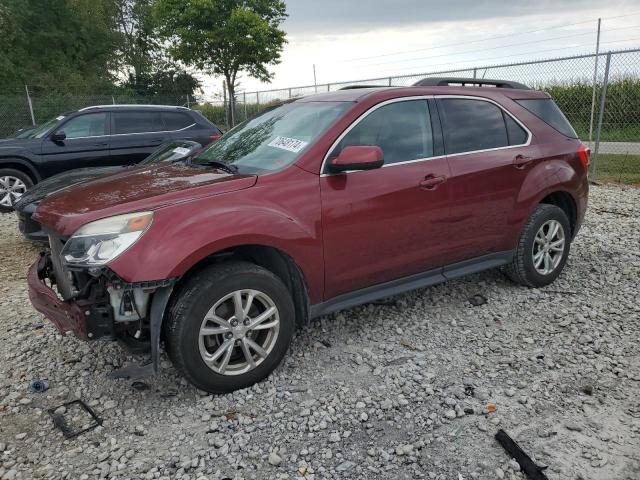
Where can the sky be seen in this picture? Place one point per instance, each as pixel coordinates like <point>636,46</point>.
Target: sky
<point>351,40</point>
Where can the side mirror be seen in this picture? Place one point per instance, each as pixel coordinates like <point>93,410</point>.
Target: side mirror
<point>58,136</point>
<point>357,157</point>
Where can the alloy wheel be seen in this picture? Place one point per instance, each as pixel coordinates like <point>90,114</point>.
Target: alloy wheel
<point>239,332</point>
<point>548,247</point>
<point>11,189</point>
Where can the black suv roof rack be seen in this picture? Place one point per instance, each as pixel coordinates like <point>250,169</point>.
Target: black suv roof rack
<point>479,82</point>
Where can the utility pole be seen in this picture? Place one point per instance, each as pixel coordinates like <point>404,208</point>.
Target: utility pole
<point>33,118</point>
<point>224,102</point>
<point>595,81</point>
<point>315,82</point>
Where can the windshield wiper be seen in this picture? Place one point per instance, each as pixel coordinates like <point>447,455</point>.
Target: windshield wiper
<point>221,165</point>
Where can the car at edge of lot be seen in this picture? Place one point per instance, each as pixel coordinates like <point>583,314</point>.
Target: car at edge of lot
<point>99,136</point>
<point>25,207</point>
<point>318,205</point>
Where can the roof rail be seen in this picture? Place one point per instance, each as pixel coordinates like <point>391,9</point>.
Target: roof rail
<point>479,82</point>
<point>133,105</point>
<point>355,87</point>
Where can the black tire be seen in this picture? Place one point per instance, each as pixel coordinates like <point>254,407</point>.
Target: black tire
<point>199,294</point>
<point>12,172</point>
<point>522,270</point>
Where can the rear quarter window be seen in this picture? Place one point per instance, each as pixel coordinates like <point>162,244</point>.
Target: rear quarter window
<point>547,111</point>
<point>176,120</point>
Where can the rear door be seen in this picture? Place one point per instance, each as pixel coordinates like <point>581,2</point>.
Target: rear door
<point>489,154</point>
<point>136,134</point>
<point>86,144</point>
<point>388,223</point>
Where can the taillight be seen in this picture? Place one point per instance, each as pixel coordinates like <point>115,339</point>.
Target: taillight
<point>215,136</point>
<point>583,153</point>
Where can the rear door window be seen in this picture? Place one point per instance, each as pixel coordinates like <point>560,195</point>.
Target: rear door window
<point>547,111</point>
<point>136,122</point>
<point>471,125</point>
<point>401,129</point>
<point>88,125</point>
<point>176,120</point>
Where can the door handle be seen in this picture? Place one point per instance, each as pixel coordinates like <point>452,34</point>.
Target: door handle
<point>431,182</point>
<point>521,161</point>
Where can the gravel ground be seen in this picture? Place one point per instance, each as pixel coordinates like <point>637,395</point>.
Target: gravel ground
<point>397,389</point>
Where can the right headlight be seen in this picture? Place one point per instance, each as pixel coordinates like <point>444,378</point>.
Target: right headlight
<point>97,243</point>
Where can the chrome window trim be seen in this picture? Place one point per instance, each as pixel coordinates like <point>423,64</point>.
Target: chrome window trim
<point>134,133</point>
<point>157,131</point>
<point>423,97</point>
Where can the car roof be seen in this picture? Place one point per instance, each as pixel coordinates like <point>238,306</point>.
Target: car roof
<point>361,93</point>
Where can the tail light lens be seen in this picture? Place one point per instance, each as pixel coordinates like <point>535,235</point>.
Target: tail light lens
<point>583,153</point>
<point>215,136</point>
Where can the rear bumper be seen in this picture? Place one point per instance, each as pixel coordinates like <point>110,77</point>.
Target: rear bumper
<point>66,316</point>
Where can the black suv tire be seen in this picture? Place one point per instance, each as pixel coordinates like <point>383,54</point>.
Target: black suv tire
<point>195,301</point>
<point>522,269</point>
<point>15,174</point>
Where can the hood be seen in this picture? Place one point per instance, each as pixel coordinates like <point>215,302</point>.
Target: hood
<point>143,188</point>
<point>9,144</point>
<point>61,181</point>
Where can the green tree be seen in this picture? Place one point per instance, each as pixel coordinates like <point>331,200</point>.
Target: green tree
<point>225,37</point>
<point>58,45</point>
<point>147,65</point>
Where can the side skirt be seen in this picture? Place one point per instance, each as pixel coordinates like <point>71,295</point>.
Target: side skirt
<point>413,282</point>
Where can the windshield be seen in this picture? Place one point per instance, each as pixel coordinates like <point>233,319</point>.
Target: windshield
<point>172,152</point>
<point>41,130</point>
<point>274,139</point>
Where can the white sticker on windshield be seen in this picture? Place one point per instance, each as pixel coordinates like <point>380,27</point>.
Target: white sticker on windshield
<point>290,144</point>
<point>181,151</point>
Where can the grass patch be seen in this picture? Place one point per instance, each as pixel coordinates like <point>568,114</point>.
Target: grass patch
<point>617,168</point>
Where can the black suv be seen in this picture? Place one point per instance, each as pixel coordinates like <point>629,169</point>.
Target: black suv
<point>94,137</point>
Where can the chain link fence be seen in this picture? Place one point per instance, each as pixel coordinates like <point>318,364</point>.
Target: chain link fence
<point>600,95</point>
<point>22,110</point>
<point>607,120</point>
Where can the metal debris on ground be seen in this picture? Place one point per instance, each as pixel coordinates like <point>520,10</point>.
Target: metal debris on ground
<point>477,300</point>
<point>528,466</point>
<point>61,423</point>
<point>37,386</point>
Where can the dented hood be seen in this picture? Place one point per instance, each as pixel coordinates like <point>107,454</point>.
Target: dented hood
<point>143,188</point>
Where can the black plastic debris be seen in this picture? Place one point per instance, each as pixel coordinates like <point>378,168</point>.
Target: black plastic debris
<point>37,386</point>
<point>477,300</point>
<point>62,424</point>
<point>533,471</point>
<point>140,386</point>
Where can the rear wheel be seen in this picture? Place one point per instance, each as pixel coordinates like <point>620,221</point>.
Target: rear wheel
<point>13,184</point>
<point>230,326</point>
<point>542,249</point>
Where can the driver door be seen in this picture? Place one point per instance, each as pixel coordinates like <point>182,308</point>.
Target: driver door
<point>86,144</point>
<point>384,224</point>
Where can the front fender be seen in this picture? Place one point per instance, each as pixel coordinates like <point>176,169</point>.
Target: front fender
<point>181,236</point>
<point>14,159</point>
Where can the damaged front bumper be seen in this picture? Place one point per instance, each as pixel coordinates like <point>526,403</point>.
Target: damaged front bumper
<point>66,316</point>
<point>100,305</point>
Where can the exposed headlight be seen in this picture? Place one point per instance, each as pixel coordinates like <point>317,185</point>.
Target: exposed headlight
<point>100,242</point>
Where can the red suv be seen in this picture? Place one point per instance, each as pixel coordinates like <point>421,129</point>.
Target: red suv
<point>318,205</point>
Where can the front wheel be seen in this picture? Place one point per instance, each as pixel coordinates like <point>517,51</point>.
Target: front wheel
<point>13,184</point>
<point>542,249</point>
<point>230,326</point>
